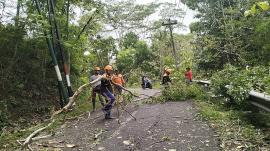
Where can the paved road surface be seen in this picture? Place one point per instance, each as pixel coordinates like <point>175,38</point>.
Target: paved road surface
<point>172,126</point>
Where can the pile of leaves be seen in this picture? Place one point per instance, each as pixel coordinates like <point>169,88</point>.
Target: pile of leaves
<point>234,128</point>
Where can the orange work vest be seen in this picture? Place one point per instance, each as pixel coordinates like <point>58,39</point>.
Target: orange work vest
<point>118,79</point>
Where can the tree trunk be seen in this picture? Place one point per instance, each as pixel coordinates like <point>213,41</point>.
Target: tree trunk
<point>18,13</point>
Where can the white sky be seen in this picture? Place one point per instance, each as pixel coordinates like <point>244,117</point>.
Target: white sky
<point>189,17</point>
<point>186,20</point>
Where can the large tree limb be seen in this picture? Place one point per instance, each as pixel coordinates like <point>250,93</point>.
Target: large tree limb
<point>29,138</point>
<point>71,100</point>
<point>35,138</point>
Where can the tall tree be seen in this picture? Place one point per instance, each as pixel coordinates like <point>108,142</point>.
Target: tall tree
<point>129,40</point>
<point>225,35</point>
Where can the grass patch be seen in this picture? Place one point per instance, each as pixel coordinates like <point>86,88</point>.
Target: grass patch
<point>235,128</point>
<point>134,85</point>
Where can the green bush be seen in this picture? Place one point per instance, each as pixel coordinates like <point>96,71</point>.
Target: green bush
<point>181,91</point>
<point>134,79</point>
<point>236,84</point>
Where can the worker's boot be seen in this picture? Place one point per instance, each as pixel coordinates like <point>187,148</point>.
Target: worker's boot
<point>108,115</point>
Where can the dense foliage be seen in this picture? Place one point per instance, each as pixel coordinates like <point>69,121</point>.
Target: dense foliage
<point>237,83</point>
<point>232,36</point>
<point>225,35</point>
<point>181,91</point>
<point>92,33</point>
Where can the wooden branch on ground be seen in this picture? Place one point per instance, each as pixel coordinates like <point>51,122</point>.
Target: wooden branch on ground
<point>71,100</point>
<point>98,134</point>
<point>29,147</point>
<point>35,138</point>
<point>30,137</point>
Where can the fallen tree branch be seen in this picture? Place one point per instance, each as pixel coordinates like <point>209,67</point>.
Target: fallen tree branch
<point>98,134</point>
<point>154,124</point>
<point>71,100</point>
<point>18,141</point>
<point>28,140</point>
<point>29,147</point>
<point>35,138</point>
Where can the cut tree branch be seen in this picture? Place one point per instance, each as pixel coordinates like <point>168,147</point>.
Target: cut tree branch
<point>35,138</point>
<point>30,137</point>
<point>71,100</point>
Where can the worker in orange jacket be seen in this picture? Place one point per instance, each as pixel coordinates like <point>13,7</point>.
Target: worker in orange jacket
<point>106,89</point>
<point>117,78</point>
<point>166,80</point>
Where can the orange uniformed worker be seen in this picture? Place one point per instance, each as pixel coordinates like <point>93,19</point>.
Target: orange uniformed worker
<point>166,80</point>
<point>106,89</point>
<point>118,79</point>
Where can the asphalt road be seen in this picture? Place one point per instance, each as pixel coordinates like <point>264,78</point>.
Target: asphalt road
<point>171,126</point>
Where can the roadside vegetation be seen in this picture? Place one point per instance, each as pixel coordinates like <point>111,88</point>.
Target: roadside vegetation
<point>239,128</point>
<point>229,45</point>
<point>8,139</point>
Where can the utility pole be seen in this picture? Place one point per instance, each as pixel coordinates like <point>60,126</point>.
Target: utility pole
<point>169,24</point>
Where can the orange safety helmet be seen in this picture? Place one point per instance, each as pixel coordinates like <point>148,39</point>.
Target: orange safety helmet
<point>97,68</point>
<point>168,71</point>
<point>108,67</point>
<point>165,68</point>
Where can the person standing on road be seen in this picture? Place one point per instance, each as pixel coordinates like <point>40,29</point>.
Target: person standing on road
<point>188,75</point>
<point>106,89</point>
<point>166,80</point>
<point>96,89</point>
<point>118,79</point>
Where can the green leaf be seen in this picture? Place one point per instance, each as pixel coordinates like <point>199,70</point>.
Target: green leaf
<point>264,5</point>
<point>253,9</point>
<point>247,13</point>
